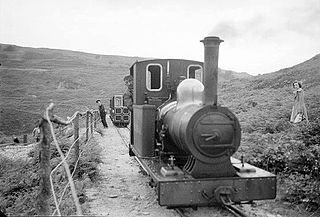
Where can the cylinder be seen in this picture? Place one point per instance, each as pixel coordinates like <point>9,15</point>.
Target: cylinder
<point>210,76</point>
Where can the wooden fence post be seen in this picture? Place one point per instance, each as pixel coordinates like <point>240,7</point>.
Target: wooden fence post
<point>43,205</point>
<point>60,129</point>
<point>76,137</point>
<point>25,138</point>
<point>91,123</point>
<point>95,119</point>
<point>87,125</point>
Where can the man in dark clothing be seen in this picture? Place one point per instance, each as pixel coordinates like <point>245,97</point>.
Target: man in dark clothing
<point>127,96</point>
<point>102,114</point>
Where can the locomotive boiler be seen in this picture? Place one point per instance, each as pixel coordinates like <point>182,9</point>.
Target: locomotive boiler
<point>184,140</point>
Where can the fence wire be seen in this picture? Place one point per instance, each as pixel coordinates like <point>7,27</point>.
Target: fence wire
<point>64,160</point>
<point>73,172</point>
<point>58,132</point>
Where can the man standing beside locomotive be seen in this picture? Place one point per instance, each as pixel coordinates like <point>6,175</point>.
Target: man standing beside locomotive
<point>102,114</point>
<point>127,96</point>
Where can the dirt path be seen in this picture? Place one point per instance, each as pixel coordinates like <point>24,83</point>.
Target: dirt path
<point>122,190</point>
<point>16,151</point>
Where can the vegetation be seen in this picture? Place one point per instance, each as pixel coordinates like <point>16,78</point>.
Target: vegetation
<point>20,181</point>
<point>296,162</point>
<point>271,142</point>
<point>31,78</point>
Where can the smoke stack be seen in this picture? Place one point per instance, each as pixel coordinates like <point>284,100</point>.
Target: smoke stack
<point>210,75</point>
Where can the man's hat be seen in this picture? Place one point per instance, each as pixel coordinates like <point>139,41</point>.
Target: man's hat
<point>98,100</point>
<point>298,82</point>
<point>128,78</point>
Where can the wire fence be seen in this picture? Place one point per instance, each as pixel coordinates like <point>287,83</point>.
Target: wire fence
<point>69,160</point>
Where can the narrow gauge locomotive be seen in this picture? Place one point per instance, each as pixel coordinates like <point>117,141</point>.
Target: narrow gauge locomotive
<point>184,140</point>
<point>119,114</point>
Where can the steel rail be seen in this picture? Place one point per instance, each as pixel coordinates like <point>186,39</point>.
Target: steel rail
<point>127,145</point>
<point>228,205</point>
<point>235,211</point>
<point>181,212</point>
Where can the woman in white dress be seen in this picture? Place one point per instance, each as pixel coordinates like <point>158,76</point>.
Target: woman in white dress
<point>299,111</point>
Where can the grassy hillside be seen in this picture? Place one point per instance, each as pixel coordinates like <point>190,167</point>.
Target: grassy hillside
<point>31,78</point>
<point>292,151</point>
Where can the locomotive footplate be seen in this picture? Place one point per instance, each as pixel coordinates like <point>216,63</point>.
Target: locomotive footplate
<point>181,190</point>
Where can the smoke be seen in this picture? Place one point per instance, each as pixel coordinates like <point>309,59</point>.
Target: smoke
<point>226,30</point>
<point>299,19</point>
<point>234,29</point>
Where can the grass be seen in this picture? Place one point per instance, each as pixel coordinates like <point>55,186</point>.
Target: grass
<point>32,78</point>
<point>20,180</point>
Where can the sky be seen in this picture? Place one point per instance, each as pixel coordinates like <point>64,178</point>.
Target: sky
<point>260,36</point>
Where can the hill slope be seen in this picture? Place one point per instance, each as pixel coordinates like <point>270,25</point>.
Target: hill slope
<point>264,100</point>
<point>33,77</point>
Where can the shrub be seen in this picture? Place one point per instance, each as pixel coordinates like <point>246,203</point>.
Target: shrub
<point>298,162</point>
<point>281,125</point>
<point>303,188</point>
<point>311,134</point>
<point>269,128</point>
<point>272,159</point>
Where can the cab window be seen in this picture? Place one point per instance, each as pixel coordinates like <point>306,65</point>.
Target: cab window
<point>195,71</point>
<point>118,101</point>
<point>154,77</point>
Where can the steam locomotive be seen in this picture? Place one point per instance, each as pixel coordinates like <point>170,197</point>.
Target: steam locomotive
<point>119,114</point>
<point>184,140</point>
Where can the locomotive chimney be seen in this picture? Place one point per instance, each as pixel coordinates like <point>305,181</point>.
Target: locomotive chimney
<point>210,75</point>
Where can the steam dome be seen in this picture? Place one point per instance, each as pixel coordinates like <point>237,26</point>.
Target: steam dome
<point>189,91</point>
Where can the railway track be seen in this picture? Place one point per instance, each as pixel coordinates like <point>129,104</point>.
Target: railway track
<point>227,204</point>
<point>231,209</point>
<point>121,132</point>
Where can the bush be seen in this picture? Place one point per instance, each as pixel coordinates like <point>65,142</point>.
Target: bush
<point>273,160</point>
<point>311,134</point>
<point>303,188</point>
<point>282,125</point>
<point>297,161</point>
